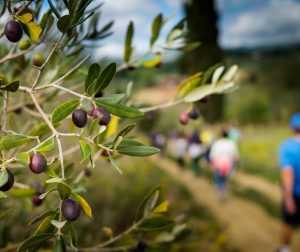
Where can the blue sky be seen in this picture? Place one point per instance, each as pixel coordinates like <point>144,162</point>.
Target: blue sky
<point>242,23</point>
<point>256,23</point>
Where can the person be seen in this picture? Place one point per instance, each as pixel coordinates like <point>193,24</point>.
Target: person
<point>181,144</point>
<point>195,151</point>
<point>289,162</point>
<point>223,156</point>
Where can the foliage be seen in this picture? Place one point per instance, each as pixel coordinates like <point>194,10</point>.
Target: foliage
<point>41,92</point>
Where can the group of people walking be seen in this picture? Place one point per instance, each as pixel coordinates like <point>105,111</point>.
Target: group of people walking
<point>220,153</point>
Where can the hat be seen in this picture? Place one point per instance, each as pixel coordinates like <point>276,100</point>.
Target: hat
<point>295,121</point>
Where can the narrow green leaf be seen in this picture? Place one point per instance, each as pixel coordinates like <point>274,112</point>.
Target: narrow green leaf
<point>23,158</point>
<point>34,240</point>
<point>112,99</point>
<point>138,151</point>
<point>83,203</point>
<point>64,190</point>
<point>105,77</point>
<point>50,172</point>
<point>60,245</point>
<point>120,109</point>
<point>73,234</point>
<point>47,146</point>
<point>12,87</point>
<point>156,27</point>
<point>148,203</point>
<point>156,223</point>
<point>114,164</point>
<point>11,141</point>
<point>53,9</point>
<point>41,217</point>
<point>128,42</point>
<point>3,177</point>
<point>93,74</point>
<point>63,110</point>
<point>85,150</point>
<point>208,74</point>
<point>123,132</point>
<point>22,192</point>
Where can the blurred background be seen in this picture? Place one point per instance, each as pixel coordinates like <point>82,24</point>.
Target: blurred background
<point>262,38</point>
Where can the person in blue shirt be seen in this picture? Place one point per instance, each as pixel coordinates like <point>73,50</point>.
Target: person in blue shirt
<point>289,161</point>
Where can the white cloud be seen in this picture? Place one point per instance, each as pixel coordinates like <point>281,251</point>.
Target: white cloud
<point>141,12</point>
<point>274,23</point>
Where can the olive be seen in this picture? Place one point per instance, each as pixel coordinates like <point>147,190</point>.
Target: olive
<point>9,183</point>
<point>38,163</point>
<point>36,201</point>
<point>194,113</point>
<point>104,114</point>
<point>13,31</point>
<point>70,209</point>
<point>79,118</point>
<point>99,94</point>
<point>24,44</point>
<point>184,118</point>
<point>38,60</point>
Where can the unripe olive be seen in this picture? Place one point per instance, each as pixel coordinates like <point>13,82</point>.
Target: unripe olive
<point>24,44</point>
<point>37,163</point>
<point>184,118</point>
<point>70,209</point>
<point>194,113</point>
<point>38,60</point>
<point>9,183</point>
<point>104,114</point>
<point>36,201</point>
<point>79,118</point>
<point>13,31</point>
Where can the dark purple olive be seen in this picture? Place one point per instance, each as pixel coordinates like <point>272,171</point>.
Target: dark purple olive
<point>91,110</point>
<point>104,114</point>
<point>99,94</point>
<point>141,245</point>
<point>38,163</point>
<point>194,113</point>
<point>9,183</point>
<point>39,188</point>
<point>70,209</point>
<point>205,99</point>
<point>87,172</point>
<point>184,118</point>
<point>79,118</point>
<point>36,201</point>
<point>13,31</point>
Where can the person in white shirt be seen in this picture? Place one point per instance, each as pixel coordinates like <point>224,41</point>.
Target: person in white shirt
<point>223,155</point>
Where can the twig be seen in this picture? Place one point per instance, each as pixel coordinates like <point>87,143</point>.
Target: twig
<point>161,106</point>
<point>4,110</point>
<point>41,68</point>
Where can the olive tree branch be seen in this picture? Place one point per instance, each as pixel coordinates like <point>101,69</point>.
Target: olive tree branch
<point>23,7</point>
<point>4,110</point>
<point>161,106</point>
<point>10,56</point>
<point>55,133</point>
<point>116,238</point>
<point>65,75</point>
<point>41,68</point>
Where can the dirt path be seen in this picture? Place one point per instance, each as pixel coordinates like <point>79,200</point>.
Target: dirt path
<point>249,227</point>
<point>271,190</point>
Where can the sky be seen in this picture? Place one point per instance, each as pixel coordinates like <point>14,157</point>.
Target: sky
<point>242,23</point>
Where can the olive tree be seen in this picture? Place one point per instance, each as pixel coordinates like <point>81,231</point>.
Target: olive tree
<point>62,85</point>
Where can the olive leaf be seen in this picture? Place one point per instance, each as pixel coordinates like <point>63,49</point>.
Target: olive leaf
<point>105,77</point>
<point>63,110</point>
<point>128,42</point>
